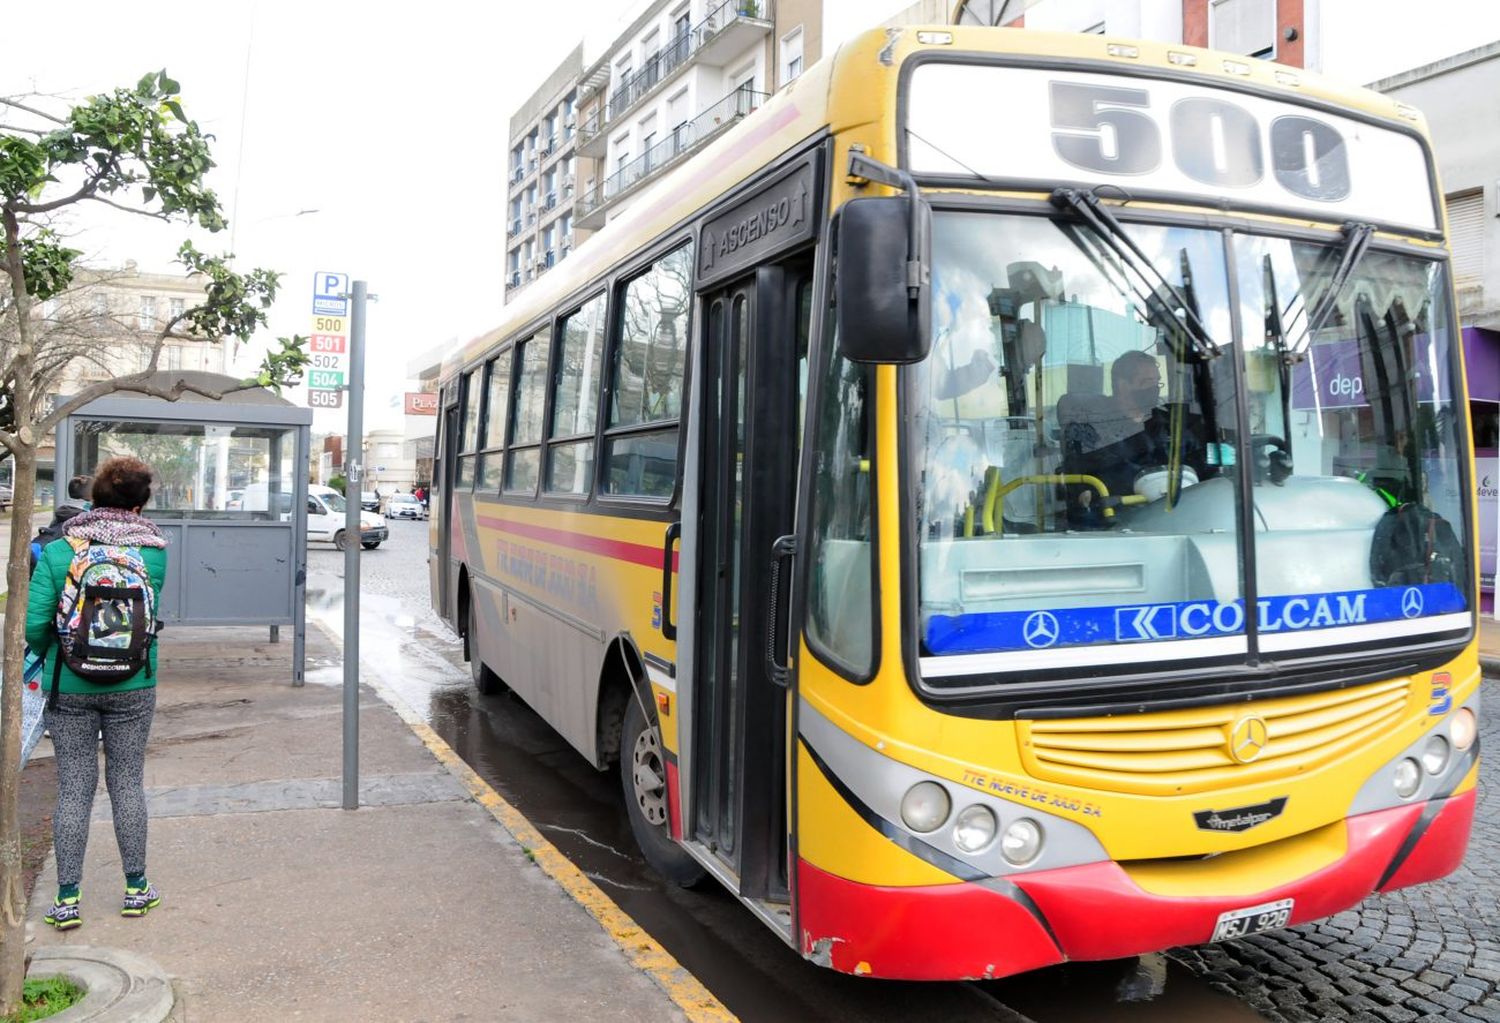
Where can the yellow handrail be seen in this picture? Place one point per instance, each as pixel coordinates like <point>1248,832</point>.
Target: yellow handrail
<point>995,491</point>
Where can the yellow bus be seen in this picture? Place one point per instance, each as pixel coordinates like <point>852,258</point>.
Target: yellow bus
<point>1006,501</point>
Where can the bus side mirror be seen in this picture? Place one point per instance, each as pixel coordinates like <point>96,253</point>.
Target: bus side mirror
<point>884,291</point>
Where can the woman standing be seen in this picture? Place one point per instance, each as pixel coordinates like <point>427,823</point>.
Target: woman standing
<point>82,710</point>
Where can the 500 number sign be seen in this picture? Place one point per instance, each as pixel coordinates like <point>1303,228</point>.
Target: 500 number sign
<point>1213,141</point>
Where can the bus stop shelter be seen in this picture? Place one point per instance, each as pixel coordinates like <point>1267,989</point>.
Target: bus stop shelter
<point>229,492</point>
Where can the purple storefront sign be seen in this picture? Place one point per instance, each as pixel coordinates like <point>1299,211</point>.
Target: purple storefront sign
<point>1341,374</point>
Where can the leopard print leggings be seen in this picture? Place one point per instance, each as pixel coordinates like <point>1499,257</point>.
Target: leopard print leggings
<point>125,720</point>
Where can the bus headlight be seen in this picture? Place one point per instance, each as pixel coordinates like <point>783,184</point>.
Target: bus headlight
<point>925,806</point>
<point>975,828</point>
<point>1022,842</point>
<point>1435,754</point>
<point>1464,728</point>
<point>1408,778</point>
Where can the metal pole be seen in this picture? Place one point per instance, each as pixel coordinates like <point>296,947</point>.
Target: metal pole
<point>353,474</point>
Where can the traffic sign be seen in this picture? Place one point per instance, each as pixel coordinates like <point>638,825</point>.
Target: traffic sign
<point>325,379</point>
<point>336,344</point>
<point>325,399</point>
<point>329,291</point>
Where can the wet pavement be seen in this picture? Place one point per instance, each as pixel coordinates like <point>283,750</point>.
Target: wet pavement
<point>1332,970</point>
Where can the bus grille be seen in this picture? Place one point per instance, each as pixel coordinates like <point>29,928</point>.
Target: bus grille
<point>1188,751</point>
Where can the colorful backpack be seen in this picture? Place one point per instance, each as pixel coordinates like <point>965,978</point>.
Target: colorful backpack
<point>106,615</point>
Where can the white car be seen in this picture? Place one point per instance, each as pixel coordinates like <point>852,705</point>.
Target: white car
<point>404,506</point>
<point>325,519</point>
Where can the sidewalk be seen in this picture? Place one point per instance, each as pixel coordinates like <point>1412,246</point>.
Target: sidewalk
<point>278,905</point>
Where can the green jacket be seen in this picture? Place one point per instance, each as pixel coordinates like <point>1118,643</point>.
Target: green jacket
<point>41,616</point>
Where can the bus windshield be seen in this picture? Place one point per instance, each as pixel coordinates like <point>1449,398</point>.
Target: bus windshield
<point>1079,453</point>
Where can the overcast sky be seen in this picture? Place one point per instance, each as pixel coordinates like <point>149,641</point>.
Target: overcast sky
<point>390,121</point>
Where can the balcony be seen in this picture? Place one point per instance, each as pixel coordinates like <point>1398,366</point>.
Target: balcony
<point>731,28</point>
<point>517,173</point>
<point>591,138</point>
<point>514,280</point>
<point>515,226</point>
<point>660,66</point>
<point>590,210</point>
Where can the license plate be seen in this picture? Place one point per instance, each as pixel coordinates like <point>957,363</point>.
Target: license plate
<point>1239,922</point>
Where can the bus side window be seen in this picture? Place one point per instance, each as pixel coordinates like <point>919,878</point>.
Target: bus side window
<point>640,442</point>
<point>840,600</point>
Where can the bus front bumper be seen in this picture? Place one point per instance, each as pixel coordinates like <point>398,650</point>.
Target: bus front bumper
<point>1097,911</point>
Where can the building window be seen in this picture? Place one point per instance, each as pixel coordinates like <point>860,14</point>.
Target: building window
<point>175,308</point>
<point>148,313</point>
<point>791,55</point>
<point>1466,228</point>
<point>1243,26</point>
<point>100,304</point>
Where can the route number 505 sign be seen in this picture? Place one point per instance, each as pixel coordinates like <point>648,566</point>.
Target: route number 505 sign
<point>325,399</point>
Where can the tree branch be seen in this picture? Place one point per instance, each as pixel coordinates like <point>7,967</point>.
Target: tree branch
<point>7,101</point>
<point>84,192</point>
<point>159,215</point>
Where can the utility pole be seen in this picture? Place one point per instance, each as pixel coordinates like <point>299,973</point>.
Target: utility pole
<point>354,475</point>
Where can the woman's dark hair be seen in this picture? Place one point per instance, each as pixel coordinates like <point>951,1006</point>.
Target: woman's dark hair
<point>122,482</point>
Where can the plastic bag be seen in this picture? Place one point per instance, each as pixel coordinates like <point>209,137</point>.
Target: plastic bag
<point>33,701</point>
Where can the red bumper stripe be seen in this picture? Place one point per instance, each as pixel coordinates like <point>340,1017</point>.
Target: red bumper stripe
<point>674,800</point>
<point>933,932</point>
<point>1095,911</point>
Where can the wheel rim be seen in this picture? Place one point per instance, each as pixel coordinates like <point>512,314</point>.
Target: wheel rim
<point>649,776</point>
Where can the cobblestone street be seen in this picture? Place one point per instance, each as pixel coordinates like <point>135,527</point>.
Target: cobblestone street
<point>1426,953</point>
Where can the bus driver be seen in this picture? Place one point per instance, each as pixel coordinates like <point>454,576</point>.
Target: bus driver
<point>1119,437</point>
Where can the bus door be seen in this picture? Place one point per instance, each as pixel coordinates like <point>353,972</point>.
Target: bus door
<point>755,331</point>
<point>441,508</point>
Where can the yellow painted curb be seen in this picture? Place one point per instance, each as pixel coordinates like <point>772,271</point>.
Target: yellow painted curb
<point>643,951</point>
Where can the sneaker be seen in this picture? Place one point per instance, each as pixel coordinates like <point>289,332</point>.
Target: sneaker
<point>64,914</point>
<point>138,900</point>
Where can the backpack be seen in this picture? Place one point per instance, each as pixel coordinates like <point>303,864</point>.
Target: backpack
<point>1413,545</point>
<point>106,615</point>
<point>52,531</point>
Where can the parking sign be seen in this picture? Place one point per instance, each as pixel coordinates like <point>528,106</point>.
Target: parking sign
<point>329,290</point>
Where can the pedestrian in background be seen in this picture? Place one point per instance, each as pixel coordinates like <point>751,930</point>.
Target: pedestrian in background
<point>77,503</point>
<point>82,710</point>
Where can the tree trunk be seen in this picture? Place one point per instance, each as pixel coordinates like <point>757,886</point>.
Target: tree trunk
<point>12,884</point>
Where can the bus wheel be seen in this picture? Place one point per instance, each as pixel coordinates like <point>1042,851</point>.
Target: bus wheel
<point>485,680</point>
<point>643,777</point>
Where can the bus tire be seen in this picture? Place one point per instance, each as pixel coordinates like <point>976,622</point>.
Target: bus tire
<point>485,680</point>
<point>643,779</point>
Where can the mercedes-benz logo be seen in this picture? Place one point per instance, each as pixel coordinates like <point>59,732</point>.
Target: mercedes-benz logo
<point>1040,629</point>
<point>1248,738</point>
<point>1411,602</point>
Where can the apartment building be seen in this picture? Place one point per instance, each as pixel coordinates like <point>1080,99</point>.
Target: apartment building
<point>680,73</point>
<point>542,175</point>
<point>107,323</point>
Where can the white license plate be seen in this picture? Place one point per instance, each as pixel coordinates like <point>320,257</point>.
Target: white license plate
<point>1239,922</point>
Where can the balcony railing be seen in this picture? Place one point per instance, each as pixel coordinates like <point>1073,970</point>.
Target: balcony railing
<point>727,13</point>
<point>658,66</point>
<point>515,279</point>
<point>515,225</point>
<point>685,138</point>
<point>590,132</point>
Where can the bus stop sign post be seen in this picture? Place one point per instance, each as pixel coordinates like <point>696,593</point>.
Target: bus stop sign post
<point>353,475</point>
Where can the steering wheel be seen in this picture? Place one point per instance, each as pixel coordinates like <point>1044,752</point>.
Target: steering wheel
<point>1278,462</point>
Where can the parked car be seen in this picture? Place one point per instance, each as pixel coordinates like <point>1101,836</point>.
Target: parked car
<point>404,506</point>
<point>325,519</point>
<point>369,500</point>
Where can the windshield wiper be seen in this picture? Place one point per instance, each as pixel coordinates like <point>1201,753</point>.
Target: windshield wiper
<point>1102,222</point>
<point>1357,236</point>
